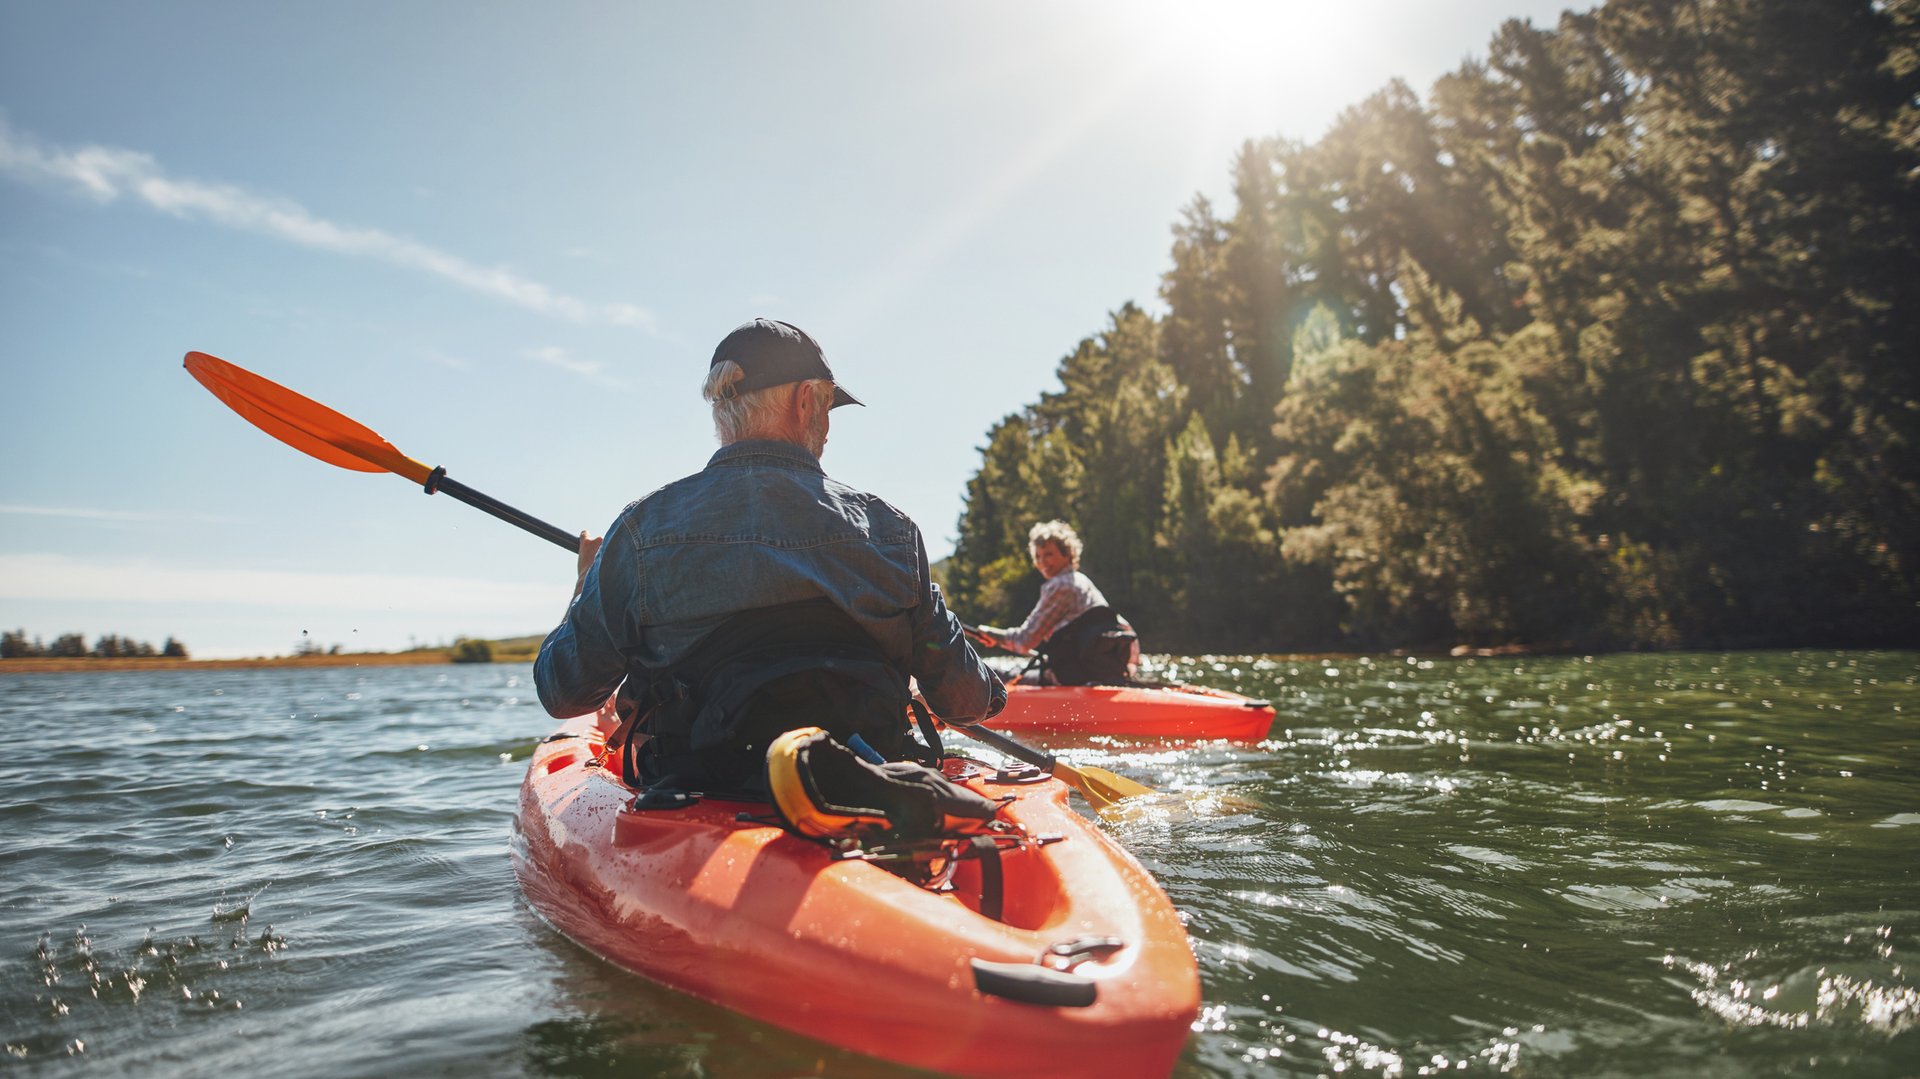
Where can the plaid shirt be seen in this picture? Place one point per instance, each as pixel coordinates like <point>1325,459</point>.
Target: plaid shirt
<point>1063,596</point>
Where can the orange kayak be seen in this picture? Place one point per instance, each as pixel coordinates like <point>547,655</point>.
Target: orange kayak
<point>1058,956</point>
<point>1165,711</point>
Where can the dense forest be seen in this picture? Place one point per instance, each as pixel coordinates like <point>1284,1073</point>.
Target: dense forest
<point>1610,342</point>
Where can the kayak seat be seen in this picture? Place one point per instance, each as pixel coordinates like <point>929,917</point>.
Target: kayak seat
<point>824,790</point>
<point>704,725</point>
<point>1094,648</point>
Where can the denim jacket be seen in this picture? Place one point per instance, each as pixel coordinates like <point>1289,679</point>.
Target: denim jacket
<point>760,525</point>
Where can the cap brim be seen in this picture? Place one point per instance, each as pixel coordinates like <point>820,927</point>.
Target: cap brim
<point>842,397</point>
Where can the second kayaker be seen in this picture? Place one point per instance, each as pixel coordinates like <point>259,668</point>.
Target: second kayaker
<point>758,595</point>
<point>1086,640</point>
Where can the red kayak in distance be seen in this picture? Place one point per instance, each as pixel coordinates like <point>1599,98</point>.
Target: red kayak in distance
<point>1059,955</point>
<point>1170,711</point>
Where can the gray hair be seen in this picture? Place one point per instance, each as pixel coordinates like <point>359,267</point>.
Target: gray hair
<point>737,416</point>
<point>756,413</point>
<point>1061,535</point>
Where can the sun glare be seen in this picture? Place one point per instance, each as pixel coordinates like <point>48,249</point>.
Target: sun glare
<point>1239,69</point>
<point>1242,45</point>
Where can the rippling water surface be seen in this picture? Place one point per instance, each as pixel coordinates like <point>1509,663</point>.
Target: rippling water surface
<point>1676,865</point>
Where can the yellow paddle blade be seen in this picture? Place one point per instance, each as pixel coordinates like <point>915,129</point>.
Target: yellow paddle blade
<point>300,422</point>
<point>1098,786</point>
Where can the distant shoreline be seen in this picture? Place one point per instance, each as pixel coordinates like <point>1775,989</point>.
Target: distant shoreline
<point>161,663</point>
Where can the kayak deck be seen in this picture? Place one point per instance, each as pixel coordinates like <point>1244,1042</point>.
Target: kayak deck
<point>1164,711</point>
<point>1086,969</point>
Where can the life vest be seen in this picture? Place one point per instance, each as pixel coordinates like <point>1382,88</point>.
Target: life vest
<point>1093,648</point>
<point>759,674</point>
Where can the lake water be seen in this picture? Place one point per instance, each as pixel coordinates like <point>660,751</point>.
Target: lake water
<point>1651,865</point>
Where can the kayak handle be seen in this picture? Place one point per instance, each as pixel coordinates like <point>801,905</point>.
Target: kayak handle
<point>1029,984</point>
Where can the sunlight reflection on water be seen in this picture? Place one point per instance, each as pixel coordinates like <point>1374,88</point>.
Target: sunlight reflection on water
<point>1633,865</point>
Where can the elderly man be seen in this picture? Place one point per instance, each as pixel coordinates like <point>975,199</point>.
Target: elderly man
<point>759,596</point>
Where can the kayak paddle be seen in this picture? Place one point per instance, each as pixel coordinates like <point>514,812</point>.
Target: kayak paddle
<point>1098,786</point>
<point>318,431</point>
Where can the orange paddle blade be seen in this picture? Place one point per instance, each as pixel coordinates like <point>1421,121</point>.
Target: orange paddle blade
<point>305,424</point>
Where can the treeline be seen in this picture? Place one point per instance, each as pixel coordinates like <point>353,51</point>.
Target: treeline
<point>14,644</point>
<point>1610,342</point>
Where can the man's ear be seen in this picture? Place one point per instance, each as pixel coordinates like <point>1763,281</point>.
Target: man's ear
<point>808,404</point>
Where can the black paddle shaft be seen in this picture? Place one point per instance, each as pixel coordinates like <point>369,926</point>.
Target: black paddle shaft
<point>439,483</point>
<point>1043,761</point>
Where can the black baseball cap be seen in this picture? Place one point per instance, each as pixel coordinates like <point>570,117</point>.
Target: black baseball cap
<point>774,353</point>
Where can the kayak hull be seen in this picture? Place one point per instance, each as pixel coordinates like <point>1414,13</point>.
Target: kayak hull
<point>1173,712</point>
<point>753,918</point>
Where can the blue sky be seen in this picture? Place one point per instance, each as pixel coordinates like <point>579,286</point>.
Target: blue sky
<point>507,237</point>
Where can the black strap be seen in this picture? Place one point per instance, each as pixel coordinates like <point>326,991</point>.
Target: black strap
<point>623,739</point>
<point>924,720</point>
<point>992,880</point>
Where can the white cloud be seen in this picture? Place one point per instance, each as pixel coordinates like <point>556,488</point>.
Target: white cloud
<point>592,370</point>
<point>107,174</point>
<point>86,514</point>
<point>54,577</point>
<point>457,363</point>
<point>65,511</point>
